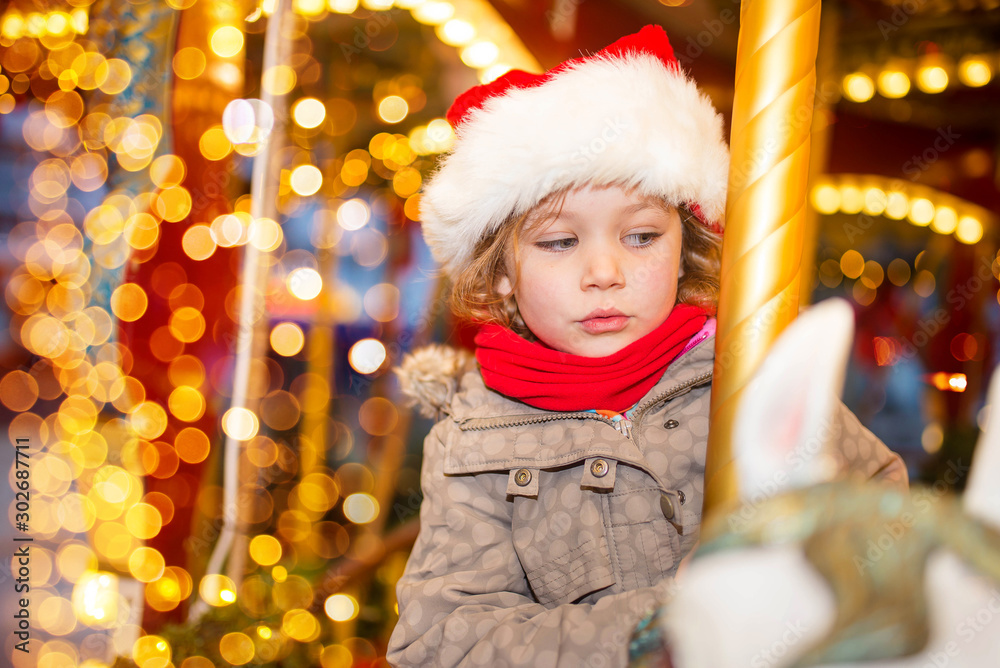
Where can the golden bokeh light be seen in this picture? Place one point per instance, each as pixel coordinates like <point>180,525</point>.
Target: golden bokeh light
<point>198,243</point>
<point>852,264</point>
<point>300,625</point>
<point>226,41</point>
<point>308,112</point>
<point>129,302</point>
<point>393,109</point>
<point>214,144</point>
<point>143,521</point>
<point>361,508</point>
<point>18,391</point>
<point>287,339</point>
<point>279,80</point>
<point>236,648</point>
<point>187,324</point>
<point>893,84</point>
<point>932,79</point>
<point>151,651</point>
<point>304,283</point>
<point>217,590</point>
<point>969,230</point>
<point>456,32</point>
<point>141,231</point>
<point>858,87</point>
<point>921,211</point>
<point>342,6</point>
<point>148,420</point>
<point>306,180</point>
<point>353,214</point>
<point>975,71</point>
<point>95,597</point>
<point>406,181</point>
<point>341,607</point>
<point>945,220</point>
<point>186,404</point>
<point>367,356</point>
<point>265,234</point>
<point>897,205</point>
<point>163,504</point>
<point>146,564</point>
<point>189,62</point>
<point>240,423</point>
<point>192,445</point>
<point>89,171</point>
<point>480,54</point>
<point>167,171</point>
<point>173,204</point>
<point>433,12</point>
<point>265,550</point>
<point>115,76</point>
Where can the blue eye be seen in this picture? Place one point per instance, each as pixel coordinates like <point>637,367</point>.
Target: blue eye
<point>557,244</point>
<point>642,239</point>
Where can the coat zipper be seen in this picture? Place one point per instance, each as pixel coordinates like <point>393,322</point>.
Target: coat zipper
<point>482,424</point>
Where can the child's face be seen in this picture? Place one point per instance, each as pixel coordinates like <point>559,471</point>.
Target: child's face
<point>600,274</point>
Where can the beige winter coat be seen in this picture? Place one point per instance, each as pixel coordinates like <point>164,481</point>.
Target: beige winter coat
<point>545,536</point>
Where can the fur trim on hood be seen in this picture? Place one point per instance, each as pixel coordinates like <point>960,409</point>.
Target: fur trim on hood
<point>430,376</point>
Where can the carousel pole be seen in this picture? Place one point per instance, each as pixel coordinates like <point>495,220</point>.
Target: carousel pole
<point>765,212</point>
<point>252,317</point>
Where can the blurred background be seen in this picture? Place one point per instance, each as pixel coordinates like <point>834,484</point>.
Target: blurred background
<point>163,308</point>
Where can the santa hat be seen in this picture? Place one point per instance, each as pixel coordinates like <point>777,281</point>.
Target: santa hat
<point>627,115</point>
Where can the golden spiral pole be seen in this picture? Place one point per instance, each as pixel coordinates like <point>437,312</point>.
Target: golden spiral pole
<point>765,212</point>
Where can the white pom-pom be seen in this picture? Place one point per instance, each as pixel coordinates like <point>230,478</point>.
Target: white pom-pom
<point>429,376</point>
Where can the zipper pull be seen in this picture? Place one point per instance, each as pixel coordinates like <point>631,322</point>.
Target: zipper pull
<point>624,426</point>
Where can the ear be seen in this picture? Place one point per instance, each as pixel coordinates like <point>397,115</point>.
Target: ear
<point>982,492</point>
<point>786,412</point>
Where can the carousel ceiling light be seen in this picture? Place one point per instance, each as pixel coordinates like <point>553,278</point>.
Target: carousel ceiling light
<point>456,32</point>
<point>434,13</point>
<point>974,71</point>
<point>969,230</point>
<point>893,84</point>
<point>921,211</point>
<point>859,87</point>
<point>932,79</point>
<point>480,54</point>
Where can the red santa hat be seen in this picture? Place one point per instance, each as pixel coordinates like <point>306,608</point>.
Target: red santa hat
<point>626,115</point>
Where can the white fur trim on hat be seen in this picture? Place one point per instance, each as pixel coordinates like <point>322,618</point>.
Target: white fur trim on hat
<point>627,119</point>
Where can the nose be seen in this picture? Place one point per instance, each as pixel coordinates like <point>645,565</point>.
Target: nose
<point>603,270</point>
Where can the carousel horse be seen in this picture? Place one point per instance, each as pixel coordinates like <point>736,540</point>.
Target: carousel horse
<point>811,570</point>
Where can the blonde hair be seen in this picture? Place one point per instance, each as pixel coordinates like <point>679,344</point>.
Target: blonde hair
<point>476,296</point>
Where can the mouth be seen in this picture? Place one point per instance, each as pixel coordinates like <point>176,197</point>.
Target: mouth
<point>603,321</point>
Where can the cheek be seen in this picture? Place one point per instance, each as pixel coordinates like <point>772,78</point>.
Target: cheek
<point>658,273</point>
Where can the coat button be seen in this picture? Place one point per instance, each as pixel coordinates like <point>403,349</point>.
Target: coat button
<point>667,506</point>
<point>599,468</point>
<point>522,477</point>
<point>671,424</point>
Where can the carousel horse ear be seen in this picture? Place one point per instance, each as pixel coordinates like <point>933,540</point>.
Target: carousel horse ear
<point>786,412</point>
<point>982,493</point>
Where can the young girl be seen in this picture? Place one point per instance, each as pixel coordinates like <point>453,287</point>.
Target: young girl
<point>579,217</point>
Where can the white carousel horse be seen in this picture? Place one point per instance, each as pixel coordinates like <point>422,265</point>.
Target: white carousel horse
<point>813,573</point>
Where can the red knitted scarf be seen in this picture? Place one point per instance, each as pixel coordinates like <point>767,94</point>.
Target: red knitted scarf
<point>546,378</point>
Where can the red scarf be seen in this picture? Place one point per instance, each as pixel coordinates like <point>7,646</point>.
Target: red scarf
<point>546,378</point>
